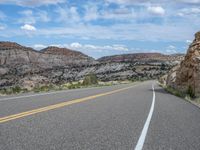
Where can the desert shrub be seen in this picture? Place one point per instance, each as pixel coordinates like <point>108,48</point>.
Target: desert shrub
<point>74,85</point>
<point>16,89</point>
<point>90,79</point>
<point>44,88</point>
<point>191,92</point>
<point>163,66</point>
<point>174,92</point>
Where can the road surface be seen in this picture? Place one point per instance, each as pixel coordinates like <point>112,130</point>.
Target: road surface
<point>123,117</point>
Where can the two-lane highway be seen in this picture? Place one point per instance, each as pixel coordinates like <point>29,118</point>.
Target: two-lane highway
<point>123,117</point>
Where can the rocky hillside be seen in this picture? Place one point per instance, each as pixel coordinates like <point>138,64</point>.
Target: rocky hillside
<point>28,68</point>
<point>143,57</point>
<point>186,76</point>
<point>15,54</point>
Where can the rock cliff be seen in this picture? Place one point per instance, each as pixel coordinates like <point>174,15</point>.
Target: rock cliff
<point>186,76</point>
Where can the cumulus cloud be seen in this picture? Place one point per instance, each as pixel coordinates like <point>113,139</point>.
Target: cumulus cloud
<point>28,27</point>
<point>156,10</point>
<point>76,45</point>
<point>86,47</point>
<point>114,47</point>
<point>32,3</point>
<point>30,17</point>
<point>67,14</point>
<point>39,46</point>
<point>92,13</point>
<point>189,11</point>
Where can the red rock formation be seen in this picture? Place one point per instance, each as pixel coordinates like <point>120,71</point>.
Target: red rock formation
<point>187,75</point>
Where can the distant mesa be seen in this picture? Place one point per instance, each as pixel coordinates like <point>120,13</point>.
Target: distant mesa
<point>154,57</point>
<point>62,51</point>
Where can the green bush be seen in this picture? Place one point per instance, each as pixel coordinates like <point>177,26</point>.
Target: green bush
<point>16,89</point>
<point>191,92</point>
<point>90,79</point>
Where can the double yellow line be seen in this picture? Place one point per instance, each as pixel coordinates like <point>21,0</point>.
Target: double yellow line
<point>59,105</point>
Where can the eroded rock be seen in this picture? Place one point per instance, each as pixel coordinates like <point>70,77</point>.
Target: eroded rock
<point>187,75</point>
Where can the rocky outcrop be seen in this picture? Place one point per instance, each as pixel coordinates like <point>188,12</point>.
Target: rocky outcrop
<point>186,76</point>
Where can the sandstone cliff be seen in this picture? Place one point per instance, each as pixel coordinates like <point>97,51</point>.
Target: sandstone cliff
<point>186,76</point>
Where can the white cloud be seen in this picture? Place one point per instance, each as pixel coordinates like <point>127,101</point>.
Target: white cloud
<point>2,26</point>
<point>188,41</point>
<point>27,18</point>
<point>39,46</point>
<point>42,16</point>
<point>171,51</point>
<point>75,45</point>
<point>86,47</point>
<point>189,12</point>
<point>115,47</point>
<point>30,17</point>
<point>171,47</point>
<point>28,27</point>
<point>91,13</point>
<point>156,10</point>
<point>32,3</point>
<point>67,15</point>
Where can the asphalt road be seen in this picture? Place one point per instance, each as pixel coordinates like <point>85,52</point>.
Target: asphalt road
<point>122,117</point>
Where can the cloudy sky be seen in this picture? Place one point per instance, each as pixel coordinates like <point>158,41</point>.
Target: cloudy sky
<point>101,27</point>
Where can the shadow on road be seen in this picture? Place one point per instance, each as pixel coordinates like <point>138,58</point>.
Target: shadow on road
<point>159,90</point>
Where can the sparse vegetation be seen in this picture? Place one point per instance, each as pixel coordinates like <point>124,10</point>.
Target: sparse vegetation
<point>13,90</point>
<point>191,92</point>
<point>174,92</point>
<point>91,82</point>
<point>90,79</point>
<point>189,95</point>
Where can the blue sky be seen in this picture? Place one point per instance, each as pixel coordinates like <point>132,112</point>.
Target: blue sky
<point>101,27</point>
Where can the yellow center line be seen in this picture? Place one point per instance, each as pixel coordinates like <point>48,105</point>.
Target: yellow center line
<point>59,105</point>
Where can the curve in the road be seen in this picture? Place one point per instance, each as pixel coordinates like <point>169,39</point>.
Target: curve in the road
<point>141,140</point>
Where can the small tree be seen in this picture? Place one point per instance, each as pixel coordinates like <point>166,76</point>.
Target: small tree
<point>90,79</point>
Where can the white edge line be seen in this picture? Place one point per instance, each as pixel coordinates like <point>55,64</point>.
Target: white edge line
<point>141,140</point>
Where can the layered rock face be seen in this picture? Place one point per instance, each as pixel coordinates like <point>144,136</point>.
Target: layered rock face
<point>187,74</point>
<point>28,68</point>
<point>15,54</point>
<point>143,57</point>
<point>24,66</point>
